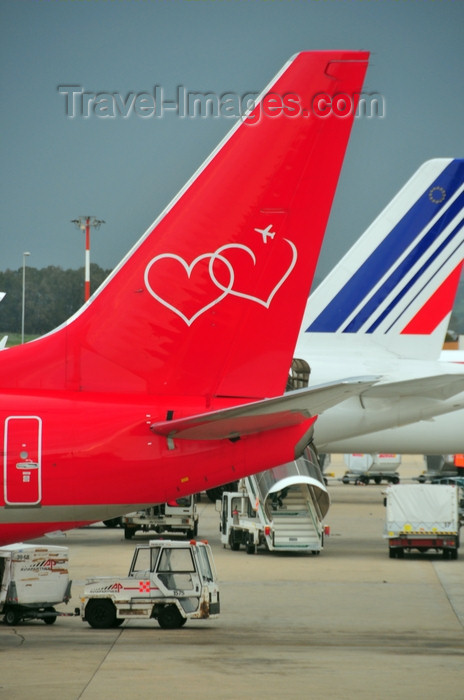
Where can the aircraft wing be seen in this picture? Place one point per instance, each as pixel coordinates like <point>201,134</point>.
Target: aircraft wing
<point>269,414</point>
<point>441,386</point>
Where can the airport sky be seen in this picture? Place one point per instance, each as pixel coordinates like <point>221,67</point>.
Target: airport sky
<point>57,164</point>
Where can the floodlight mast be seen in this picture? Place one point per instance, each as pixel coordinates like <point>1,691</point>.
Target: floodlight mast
<point>85,223</point>
<point>23,306</point>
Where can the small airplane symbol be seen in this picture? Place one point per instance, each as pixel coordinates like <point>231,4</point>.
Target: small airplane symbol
<point>265,232</point>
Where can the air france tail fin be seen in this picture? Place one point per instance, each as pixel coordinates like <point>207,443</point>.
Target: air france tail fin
<point>193,307</point>
<point>396,286</point>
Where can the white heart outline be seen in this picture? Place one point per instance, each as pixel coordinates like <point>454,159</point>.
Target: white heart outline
<point>188,269</point>
<point>243,295</point>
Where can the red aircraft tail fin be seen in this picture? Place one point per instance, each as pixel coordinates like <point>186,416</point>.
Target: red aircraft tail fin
<point>194,307</point>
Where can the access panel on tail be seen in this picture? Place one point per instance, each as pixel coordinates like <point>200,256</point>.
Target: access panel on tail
<point>185,326</point>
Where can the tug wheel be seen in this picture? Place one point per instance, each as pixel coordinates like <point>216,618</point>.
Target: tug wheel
<point>169,618</point>
<point>101,614</point>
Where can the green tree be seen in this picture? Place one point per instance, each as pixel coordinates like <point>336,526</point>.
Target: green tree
<point>52,296</point>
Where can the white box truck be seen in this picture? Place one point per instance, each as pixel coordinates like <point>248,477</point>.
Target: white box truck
<point>422,517</point>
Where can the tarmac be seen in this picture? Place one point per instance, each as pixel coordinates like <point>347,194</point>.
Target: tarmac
<point>350,623</point>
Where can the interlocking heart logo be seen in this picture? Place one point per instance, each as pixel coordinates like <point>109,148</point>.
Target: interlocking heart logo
<point>216,298</point>
<point>219,289</point>
<point>235,291</point>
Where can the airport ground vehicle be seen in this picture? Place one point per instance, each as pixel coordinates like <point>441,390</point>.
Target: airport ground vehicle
<point>180,516</point>
<point>438,467</point>
<point>363,467</point>
<point>33,579</point>
<point>457,481</point>
<point>281,509</point>
<point>170,581</point>
<point>422,517</point>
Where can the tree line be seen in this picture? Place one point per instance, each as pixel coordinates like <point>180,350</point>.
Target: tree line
<point>52,295</point>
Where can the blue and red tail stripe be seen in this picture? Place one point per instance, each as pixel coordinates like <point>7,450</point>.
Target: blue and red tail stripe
<point>423,247</point>
<point>437,307</point>
<point>397,256</point>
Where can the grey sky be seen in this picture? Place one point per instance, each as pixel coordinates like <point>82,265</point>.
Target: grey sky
<point>125,170</point>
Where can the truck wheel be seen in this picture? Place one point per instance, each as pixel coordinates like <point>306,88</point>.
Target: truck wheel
<point>101,614</point>
<point>12,616</point>
<point>234,544</point>
<point>250,548</point>
<point>128,532</point>
<point>454,553</point>
<point>169,617</point>
<point>50,619</point>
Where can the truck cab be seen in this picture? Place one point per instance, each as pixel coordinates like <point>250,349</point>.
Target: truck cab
<point>169,581</point>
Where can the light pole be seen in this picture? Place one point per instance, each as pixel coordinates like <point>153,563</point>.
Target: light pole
<point>85,223</point>
<point>24,295</point>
